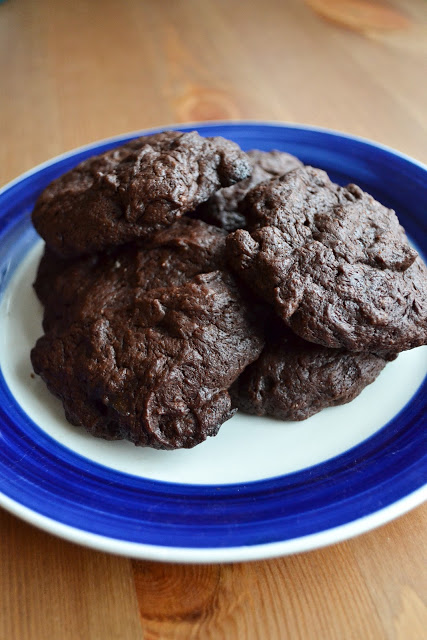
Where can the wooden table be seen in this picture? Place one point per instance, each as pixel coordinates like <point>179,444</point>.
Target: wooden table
<point>74,72</point>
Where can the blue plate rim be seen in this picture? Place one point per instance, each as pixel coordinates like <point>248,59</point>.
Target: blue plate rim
<point>230,553</point>
<point>214,555</point>
<point>207,123</point>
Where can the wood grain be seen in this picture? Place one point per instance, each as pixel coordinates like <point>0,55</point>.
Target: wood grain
<point>53,589</point>
<point>75,72</point>
<point>361,15</point>
<point>350,590</point>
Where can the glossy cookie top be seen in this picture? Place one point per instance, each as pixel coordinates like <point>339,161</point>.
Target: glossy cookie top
<point>134,190</point>
<point>334,263</point>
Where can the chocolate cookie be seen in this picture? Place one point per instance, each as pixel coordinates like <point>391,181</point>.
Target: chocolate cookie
<point>334,263</point>
<point>294,379</point>
<point>134,190</point>
<point>222,209</point>
<point>81,287</point>
<point>155,372</point>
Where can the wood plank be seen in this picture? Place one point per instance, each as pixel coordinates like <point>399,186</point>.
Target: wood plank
<point>54,589</point>
<point>361,15</point>
<point>367,588</point>
<point>194,61</point>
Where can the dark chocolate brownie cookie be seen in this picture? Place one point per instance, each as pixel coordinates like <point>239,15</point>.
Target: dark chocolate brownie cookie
<point>157,371</point>
<point>334,263</point>
<point>135,190</point>
<point>294,379</point>
<point>80,287</point>
<point>222,209</point>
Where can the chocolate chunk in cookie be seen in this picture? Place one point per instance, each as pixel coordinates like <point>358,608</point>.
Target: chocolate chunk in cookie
<point>222,209</point>
<point>153,368</point>
<point>293,379</point>
<point>334,263</point>
<point>85,286</point>
<point>134,190</point>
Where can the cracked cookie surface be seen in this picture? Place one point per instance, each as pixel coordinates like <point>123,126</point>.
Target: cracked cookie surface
<point>156,372</point>
<point>222,209</point>
<point>134,190</point>
<point>333,262</point>
<point>79,287</point>
<point>293,379</point>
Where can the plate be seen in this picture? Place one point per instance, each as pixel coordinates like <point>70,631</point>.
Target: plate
<point>262,487</point>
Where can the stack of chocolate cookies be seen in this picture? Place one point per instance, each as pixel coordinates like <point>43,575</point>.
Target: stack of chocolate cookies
<point>183,279</point>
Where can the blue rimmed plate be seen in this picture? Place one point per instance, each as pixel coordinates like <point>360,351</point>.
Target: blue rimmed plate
<point>260,488</point>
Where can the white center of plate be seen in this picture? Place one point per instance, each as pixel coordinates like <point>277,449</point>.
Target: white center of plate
<point>247,448</point>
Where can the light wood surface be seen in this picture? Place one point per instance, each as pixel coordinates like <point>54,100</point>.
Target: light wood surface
<point>74,72</point>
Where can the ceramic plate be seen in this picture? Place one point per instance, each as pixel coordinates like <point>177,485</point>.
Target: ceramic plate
<point>262,487</point>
